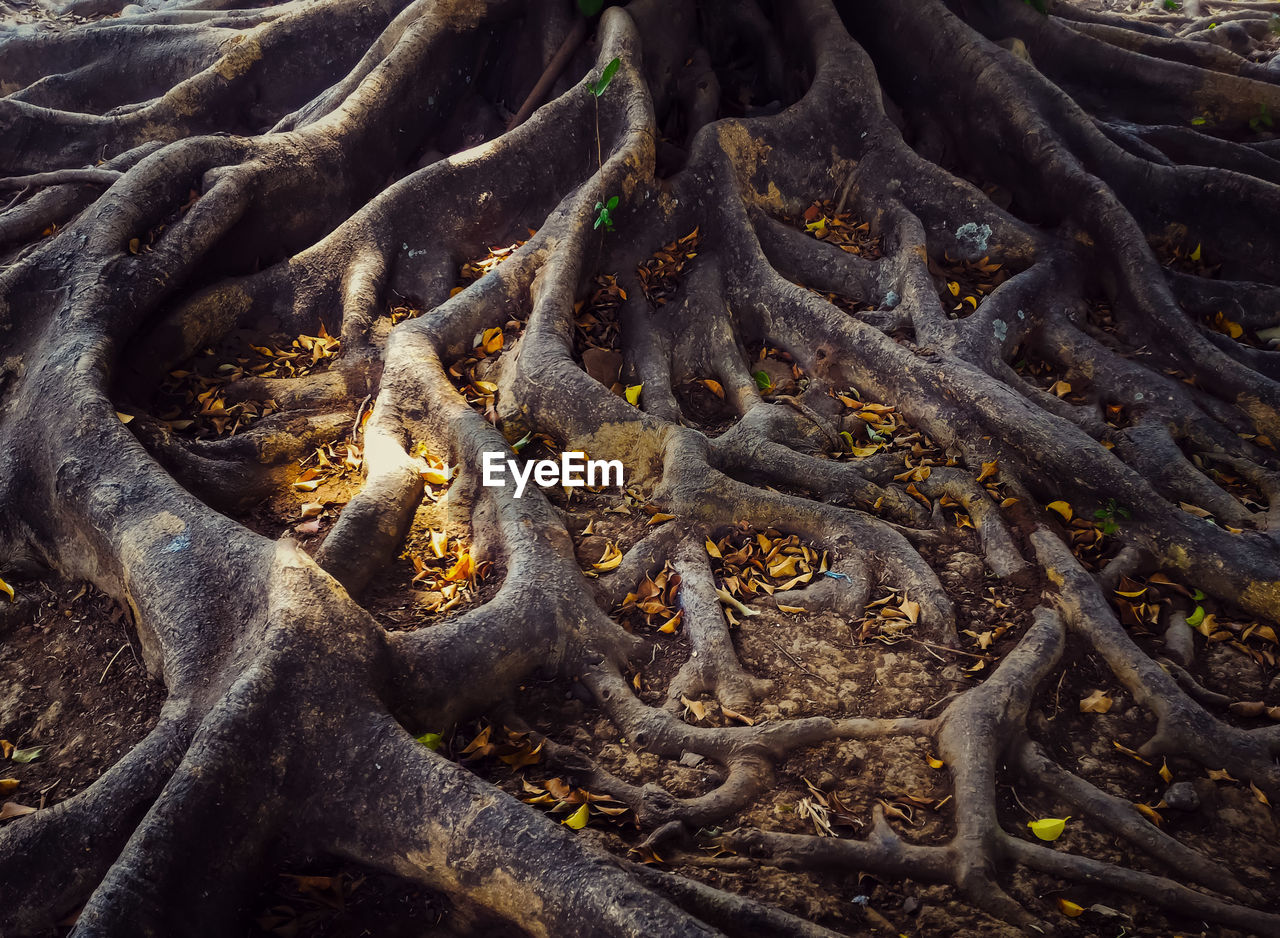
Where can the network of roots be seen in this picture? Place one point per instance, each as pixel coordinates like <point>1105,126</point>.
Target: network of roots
<point>939,341</point>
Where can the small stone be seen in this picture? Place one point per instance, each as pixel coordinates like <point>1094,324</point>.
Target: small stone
<point>1178,642</point>
<point>690,759</point>
<point>1233,673</point>
<point>910,905</point>
<point>1088,766</point>
<point>603,365</point>
<point>590,549</point>
<point>966,566</point>
<point>1181,796</point>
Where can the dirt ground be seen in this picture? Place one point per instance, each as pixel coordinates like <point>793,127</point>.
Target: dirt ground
<point>75,696</point>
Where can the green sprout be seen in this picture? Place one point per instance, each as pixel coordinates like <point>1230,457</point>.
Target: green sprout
<point>597,88</point>
<point>604,213</point>
<point>1261,121</point>
<point>1109,514</point>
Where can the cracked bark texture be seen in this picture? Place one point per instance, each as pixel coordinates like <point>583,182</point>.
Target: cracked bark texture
<point>347,153</point>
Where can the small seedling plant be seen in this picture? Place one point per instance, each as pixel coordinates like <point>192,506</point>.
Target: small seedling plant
<point>1110,515</point>
<point>604,213</point>
<point>598,88</point>
<point>604,210</point>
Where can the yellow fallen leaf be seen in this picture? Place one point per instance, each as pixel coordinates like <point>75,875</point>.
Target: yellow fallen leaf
<point>934,761</point>
<point>6,588</point>
<point>1195,255</point>
<point>578,819</point>
<point>696,707</point>
<point>492,340</point>
<point>713,550</point>
<point>658,518</point>
<point>1195,510</point>
<point>610,559</point>
<point>735,715</point>
<point>7,785</point>
<point>1131,753</point>
<point>311,509</point>
<point>1069,908</point>
<point>989,469</point>
<point>1061,508</point>
<point>715,387</point>
<point>1150,813</point>
<point>633,394</point>
<point>1096,702</point>
<point>1220,775</point>
<point>439,541</point>
<point>462,569</point>
<point>436,475</point>
<point>1164,771</point>
<point>1049,828</point>
<point>791,609</point>
<point>669,627</point>
<point>1257,793</point>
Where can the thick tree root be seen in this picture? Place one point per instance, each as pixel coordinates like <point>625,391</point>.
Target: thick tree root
<point>248,187</point>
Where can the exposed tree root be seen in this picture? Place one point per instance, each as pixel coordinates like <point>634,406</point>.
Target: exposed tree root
<point>193,176</point>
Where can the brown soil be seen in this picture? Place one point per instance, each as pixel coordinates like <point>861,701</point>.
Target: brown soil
<point>72,685</point>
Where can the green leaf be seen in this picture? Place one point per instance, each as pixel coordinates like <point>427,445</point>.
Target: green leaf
<point>598,88</point>
<point>431,740</point>
<point>1196,617</point>
<point>1197,595</point>
<point>26,755</point>
<point>590,7</point>
<point>613,203</point>
<point>1172,6</point>
<point>762,380</point>
<point>599,222</point>
<point>1040,6</point>
<point>522,442</point>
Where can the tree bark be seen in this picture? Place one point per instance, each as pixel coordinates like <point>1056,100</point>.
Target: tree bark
<point>188,174</point>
